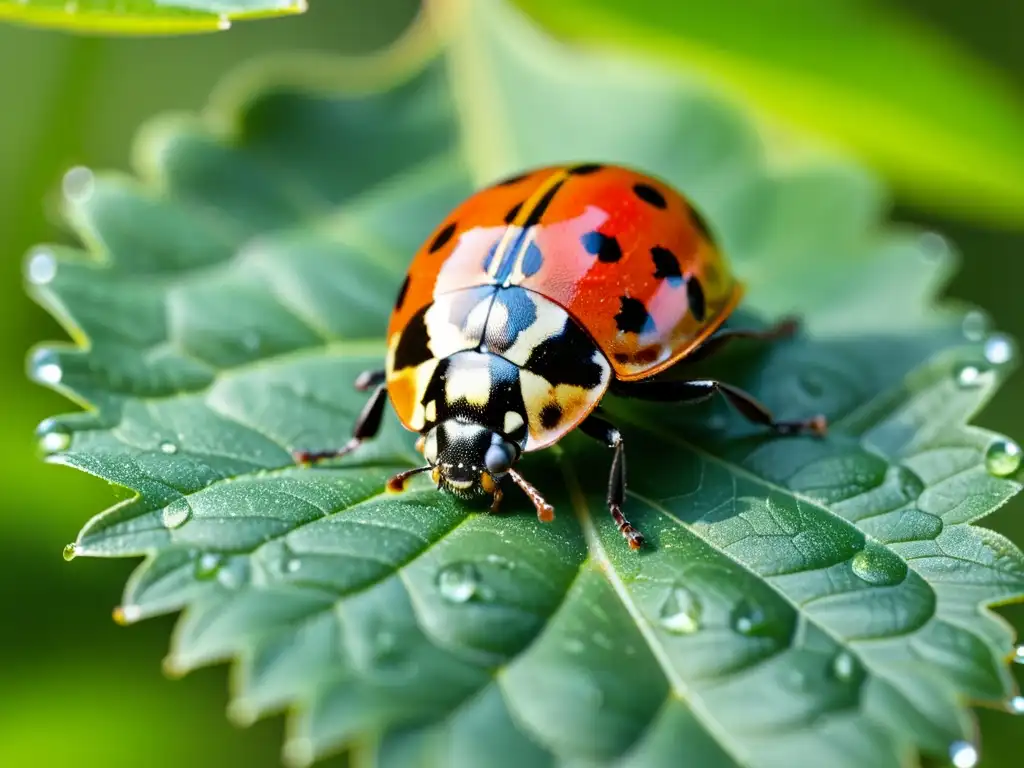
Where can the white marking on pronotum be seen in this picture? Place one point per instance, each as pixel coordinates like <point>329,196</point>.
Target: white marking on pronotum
<point>513,421</point>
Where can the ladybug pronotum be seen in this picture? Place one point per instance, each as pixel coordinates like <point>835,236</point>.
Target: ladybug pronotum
<point>534,298</point>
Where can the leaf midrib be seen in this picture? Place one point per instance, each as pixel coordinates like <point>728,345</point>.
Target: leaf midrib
<point>604,565</point>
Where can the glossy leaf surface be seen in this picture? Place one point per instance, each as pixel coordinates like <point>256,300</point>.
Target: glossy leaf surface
<point>820,597</point>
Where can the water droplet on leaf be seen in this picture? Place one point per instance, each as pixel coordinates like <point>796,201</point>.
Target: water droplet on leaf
<point>934,246</point>
<point>963,754</point>
<point>1018,654</point>
<point>45,368</point>
<point>176,514</point>
<point>878,566</point>
<point>127,614</point>
<point>999,349</point>
<point>681,612</point>
<point>168,447</point>
<point>78,184</point>
<point>71,551</point>
<point>1016,705</point>
<point>293,565</point>
<point>974,325</point>
<point>969,377</point>
<point>458,582</point>
<point>1002,457</point>
<point>844,666</point>
<point>52,438</point>
<point>749,619</point>
<point>208,564</point>
<point>251,341</point>
<point>223,22</point>
<point>41,267</point>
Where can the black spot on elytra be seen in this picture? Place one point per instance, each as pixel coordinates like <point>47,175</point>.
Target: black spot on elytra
<point>401,293</point>
<point>585,168</point>
<point>701,224</point>
<point>532,260</point>
<point>508,182</point>
<point>550,415</point>
<point>442,238</point>
<point>512,213</point>
<point>650,195</point>
<point>412,346</point>
<point>644,356</point>
<point>695,294</point>
<point>666,265</point>
<point>567,358</point>
<point>605,247</point>
<point>542,205</point>
<point>633,316</point>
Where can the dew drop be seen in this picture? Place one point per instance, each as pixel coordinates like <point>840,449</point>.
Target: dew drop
<point>844,666</point>
<point>963,754</point>
<point>207,565</point>
<point>910,484</point>
<point>45,368</point>
<point>251,341</point>
<point>127,614</point>
<point>223,22</point>
<point>749,619</point>
<point>168,447</point>
<point>293,565</point>
<point>934,247</point>
<point>877,566</point>
<point>457,582</point>
<point>1002,457</point>
<point>999,349</point>
<point>71,551</point>
<point>680,613</point>
<point>1016,705</point>
<point>974,325</point>
<point>969,377</point>
<point>52,437</point>
<point>1018,654</point>
<point>41,267</point>
<point>78,184</point>
<point>175,514</point>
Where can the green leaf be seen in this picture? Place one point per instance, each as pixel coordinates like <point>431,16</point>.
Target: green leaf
<point>941,125</point>
<point>817,597</point>
<point>143,17</point>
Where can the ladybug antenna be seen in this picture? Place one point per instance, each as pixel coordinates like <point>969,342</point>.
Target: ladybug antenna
<point>397,483</point>
<point>545,512</point>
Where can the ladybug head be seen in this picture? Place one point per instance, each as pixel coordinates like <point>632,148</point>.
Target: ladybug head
<point>467,458</point>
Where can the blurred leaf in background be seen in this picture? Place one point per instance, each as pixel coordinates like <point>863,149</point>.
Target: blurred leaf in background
<point>944,126</point>
<point>143,17</point>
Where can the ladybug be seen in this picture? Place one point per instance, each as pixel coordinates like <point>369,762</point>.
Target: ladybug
<point>532,300</point>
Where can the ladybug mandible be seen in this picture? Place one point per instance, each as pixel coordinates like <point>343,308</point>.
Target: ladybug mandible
<point>534,298</point>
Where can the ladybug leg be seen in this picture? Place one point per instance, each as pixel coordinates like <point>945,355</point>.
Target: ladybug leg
<point>696,391</point>
<point>367,380</point>
<point>781,330</point>
<point>603,430</point>
<point>366,427</point>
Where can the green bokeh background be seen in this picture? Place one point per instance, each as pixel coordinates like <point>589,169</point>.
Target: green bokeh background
<point>76,688</point>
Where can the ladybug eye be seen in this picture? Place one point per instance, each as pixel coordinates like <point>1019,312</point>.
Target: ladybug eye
<point>499,458</point>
